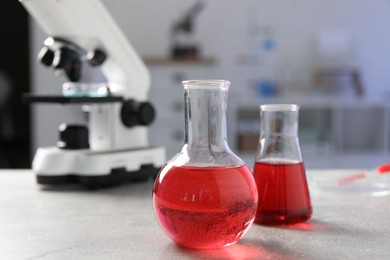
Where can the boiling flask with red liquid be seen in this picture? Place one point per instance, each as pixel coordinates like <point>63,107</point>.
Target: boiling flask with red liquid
<point>279,170</point>
<point>205,196</point>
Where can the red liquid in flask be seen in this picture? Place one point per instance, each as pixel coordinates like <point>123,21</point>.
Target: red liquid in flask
<point>283,193</point>
<point>205,207</point>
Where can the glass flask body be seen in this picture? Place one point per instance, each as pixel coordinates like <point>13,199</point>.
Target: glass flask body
<point>279,170</point>
<point>205,196</point>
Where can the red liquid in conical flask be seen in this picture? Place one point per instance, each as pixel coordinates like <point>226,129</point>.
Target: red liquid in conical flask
<point>205,207</point>
<point>283,193</point>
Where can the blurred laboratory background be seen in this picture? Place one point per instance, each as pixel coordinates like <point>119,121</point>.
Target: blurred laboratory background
<point>330,57</point>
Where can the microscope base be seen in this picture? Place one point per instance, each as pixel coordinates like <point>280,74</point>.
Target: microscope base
<point>114,178</point>
<point>96,169</point>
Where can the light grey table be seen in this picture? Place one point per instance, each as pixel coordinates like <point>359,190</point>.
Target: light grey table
<point>118,223</point>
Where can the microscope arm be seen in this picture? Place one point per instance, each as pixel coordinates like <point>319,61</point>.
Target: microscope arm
<point>87,24</point>
<point>78,28</point>
<point>115,147</point>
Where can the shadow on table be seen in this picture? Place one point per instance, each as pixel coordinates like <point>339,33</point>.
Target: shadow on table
<point>124,189</point>
<point>311,225</point>
<point>317,226</point>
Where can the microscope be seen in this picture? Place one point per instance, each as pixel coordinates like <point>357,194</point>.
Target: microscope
<point>114,147</point>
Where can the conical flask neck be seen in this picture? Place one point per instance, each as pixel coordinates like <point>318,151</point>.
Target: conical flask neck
<point>279,134</point>
<point>279,120</point>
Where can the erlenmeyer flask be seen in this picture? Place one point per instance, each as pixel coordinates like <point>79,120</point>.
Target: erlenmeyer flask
<point>279,170</point>
<point>205,196</point>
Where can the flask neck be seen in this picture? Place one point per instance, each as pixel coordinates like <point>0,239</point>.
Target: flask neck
<point>279,134</point>
<point>205,117</point>
<point>281,123</point>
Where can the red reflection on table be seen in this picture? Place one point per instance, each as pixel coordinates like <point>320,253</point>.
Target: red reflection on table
<point>240,250</point>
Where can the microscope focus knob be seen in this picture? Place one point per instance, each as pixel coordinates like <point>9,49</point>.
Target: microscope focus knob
<point>72,137</point>
<point>137,113</point>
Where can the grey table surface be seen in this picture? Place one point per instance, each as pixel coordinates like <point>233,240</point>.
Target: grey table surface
<point>118,223</point>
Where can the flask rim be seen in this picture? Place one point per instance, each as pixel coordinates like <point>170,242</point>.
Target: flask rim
<point>279,107</point>
<point>206,84</point>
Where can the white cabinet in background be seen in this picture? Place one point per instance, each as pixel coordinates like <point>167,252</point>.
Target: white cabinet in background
<point>333,132</point>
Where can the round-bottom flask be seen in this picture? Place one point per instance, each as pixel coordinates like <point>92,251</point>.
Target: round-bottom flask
<point>205,196</point>
<point>279,170</point>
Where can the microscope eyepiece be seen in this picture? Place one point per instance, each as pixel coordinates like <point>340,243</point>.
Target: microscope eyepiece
<point>68,61</point>
<point>46,56</point>
<point>64,56</point>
